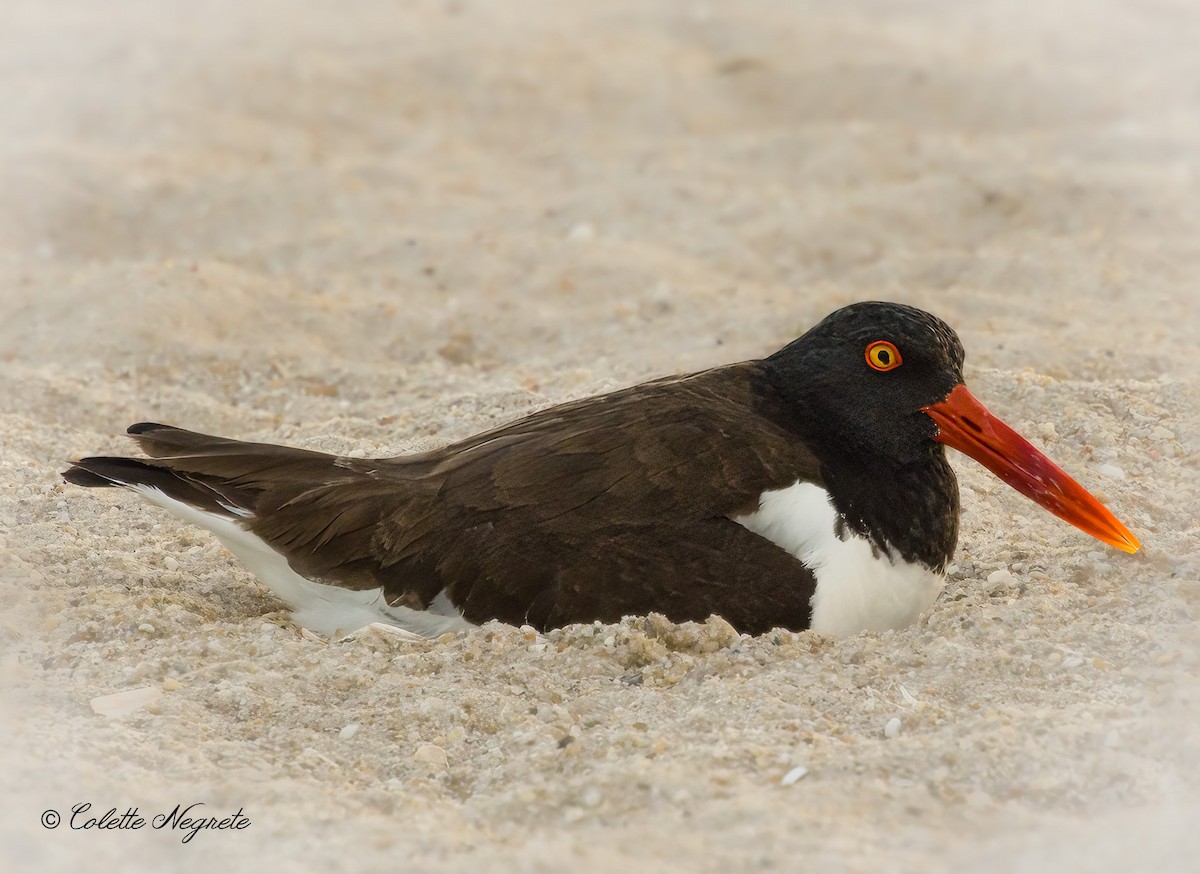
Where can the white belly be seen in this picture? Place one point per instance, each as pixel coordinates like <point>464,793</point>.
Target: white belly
<point>858,589</point>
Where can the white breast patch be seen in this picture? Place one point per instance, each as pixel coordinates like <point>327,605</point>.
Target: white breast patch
<point>858,589</point>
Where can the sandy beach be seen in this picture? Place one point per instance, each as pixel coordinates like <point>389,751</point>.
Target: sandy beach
<point>372,228</point>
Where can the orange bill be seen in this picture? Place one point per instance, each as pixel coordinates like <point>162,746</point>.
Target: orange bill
<point>964,423</point>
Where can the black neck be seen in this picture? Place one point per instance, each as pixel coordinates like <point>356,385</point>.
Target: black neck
<point>910,511</point>
<point>906,505</point>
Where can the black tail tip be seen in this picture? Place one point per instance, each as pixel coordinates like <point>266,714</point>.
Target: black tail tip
<point>145,428</point>
<point>79,476</point>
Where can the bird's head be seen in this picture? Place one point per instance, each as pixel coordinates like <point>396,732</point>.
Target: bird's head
<point>883,381</point>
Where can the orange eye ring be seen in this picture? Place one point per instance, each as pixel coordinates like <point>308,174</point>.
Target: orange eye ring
<point>883,356</point>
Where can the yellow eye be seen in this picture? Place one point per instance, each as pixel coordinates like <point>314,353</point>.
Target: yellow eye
<point>883,355</point>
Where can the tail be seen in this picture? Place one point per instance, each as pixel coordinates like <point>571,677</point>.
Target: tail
<point>319,511</point>
<point>211,474</point>
<point>304,522</point>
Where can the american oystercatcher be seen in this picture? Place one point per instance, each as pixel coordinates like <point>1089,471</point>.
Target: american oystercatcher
<point>809,489</point>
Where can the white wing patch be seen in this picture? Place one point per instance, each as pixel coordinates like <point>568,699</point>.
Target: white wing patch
<point>857,588</point>
<point>328,610</point>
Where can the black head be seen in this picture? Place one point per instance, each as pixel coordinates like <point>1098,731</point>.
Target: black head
<point>860,379</point>
<point>875,391</point>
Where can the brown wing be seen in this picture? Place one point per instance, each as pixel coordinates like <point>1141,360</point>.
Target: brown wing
<point>597,495</point>
<point>562,508</point>
<point>686,571</point>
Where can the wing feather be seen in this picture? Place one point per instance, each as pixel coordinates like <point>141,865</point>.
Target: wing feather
<point>592,509</point>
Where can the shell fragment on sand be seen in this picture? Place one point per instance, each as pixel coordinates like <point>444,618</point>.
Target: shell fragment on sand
<point>794,776</point>
<point>126,702</point>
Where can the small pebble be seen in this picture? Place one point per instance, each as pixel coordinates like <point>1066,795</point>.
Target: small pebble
<point>171,563</point>
<point>1072,662</point>
<point>432,756</point>
<point>1001,579</point>
<point>892,729</point>
<point>349,731</point>
<point>1111,471</point>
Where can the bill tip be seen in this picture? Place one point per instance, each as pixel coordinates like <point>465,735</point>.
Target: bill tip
<point>1126,542</point>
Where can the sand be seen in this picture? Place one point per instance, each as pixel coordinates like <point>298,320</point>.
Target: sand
<point>373,228</point>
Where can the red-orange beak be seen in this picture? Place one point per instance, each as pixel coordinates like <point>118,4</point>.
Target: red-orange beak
<point>965,424</point>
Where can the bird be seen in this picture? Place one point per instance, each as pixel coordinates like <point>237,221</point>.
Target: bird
<point>808,489</point>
